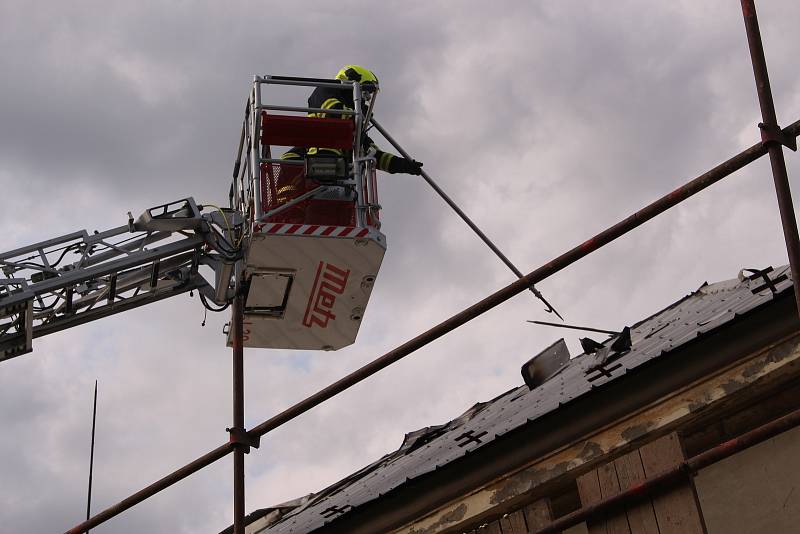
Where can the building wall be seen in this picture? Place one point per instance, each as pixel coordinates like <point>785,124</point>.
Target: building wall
<point>751,392</point>
<point>756,490</point>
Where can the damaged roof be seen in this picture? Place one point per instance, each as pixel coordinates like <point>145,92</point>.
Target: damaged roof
<point>427,449</point>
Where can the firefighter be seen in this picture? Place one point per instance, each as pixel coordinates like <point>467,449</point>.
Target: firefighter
<point>330,98</point>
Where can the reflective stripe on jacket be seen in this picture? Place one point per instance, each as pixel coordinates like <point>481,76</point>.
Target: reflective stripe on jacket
<point>331,98</point>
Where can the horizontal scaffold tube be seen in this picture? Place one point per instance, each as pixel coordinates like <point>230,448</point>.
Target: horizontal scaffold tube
<point>680,473</point>
<point>603,238</point>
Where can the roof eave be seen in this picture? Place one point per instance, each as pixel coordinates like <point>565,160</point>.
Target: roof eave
<point>639,387</point>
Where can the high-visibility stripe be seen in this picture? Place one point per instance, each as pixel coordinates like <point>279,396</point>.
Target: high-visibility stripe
<point>384,161</point>
<point>292,229</point>
<point>313,151</point>
<point>328,231</point>
<point>287,189</point>
<point>275,228</point>
<point>311,229</point>
<point>329,103</point>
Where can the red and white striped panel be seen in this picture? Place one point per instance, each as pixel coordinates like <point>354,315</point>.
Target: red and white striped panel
<point>315,230</point>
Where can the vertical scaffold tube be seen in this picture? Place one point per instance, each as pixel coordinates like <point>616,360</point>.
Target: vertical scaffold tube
<point>774,148</point>
<point>238,413</point>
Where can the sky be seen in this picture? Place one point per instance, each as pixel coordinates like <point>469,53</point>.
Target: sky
<point>545,121</point>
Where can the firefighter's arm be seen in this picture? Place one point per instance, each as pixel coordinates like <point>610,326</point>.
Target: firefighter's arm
<point>394,164</point>
<point>404,166</point>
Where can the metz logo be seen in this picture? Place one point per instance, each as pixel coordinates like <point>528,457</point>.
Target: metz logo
<point>329,282</point>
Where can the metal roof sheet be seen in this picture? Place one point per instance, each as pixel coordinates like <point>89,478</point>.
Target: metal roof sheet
<point>427,449</point>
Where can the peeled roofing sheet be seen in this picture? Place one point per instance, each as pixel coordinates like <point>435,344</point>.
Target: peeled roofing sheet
<point>706,309</point>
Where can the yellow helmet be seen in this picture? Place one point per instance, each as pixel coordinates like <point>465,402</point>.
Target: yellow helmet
<point>354,73</point>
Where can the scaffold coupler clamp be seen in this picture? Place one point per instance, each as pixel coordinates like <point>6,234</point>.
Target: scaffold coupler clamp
<point>240,438</point>
<point>772,133</point>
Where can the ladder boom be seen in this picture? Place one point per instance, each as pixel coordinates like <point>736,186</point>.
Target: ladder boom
<point>48,289</point>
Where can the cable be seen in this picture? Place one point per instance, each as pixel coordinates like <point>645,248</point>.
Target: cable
<point>209,307</point>
<point>237,244</point>
<point>218,242</point>
<point>224,217</point>
<point>64,253</point>
<point>48,252</point>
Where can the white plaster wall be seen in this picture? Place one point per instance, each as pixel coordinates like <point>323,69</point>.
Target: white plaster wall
<point>754,491</point>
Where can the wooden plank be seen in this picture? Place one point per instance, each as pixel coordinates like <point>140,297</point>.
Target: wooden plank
<point>616,523</point>
<point>589,490</point>
<point>676,511</point>
<point>514,523</point>
<point>642,517</point>
<point>493,528</point>
<point>755,377</point>
<point>538,514</point>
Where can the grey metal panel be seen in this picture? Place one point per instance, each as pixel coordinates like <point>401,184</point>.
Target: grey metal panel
<point>708,308</point>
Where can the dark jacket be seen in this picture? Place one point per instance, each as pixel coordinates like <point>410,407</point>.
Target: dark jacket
<point>330,98</point>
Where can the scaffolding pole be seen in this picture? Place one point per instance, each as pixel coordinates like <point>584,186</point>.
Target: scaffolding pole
<point>772,136</point>
<point>237,321</point>
<point>773,140</point>
<point>681,473</point>
<point>464,217</point>
<point>568,258</point>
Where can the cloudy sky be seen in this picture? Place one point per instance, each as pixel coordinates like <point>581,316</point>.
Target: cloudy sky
<point>547,121</point>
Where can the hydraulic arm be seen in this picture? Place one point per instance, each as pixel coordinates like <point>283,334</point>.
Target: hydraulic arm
<point>79,277</point>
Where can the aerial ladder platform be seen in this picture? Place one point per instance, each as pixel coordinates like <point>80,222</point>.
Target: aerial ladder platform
<point>312,244</point>
<point>300,240</point>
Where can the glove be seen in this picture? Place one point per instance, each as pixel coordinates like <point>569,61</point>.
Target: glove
<point>404,166</point>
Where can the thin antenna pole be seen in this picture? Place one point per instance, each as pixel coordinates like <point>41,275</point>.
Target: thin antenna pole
<point>91,455</point>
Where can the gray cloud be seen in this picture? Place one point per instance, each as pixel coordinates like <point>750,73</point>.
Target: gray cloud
<point>546,122</point>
